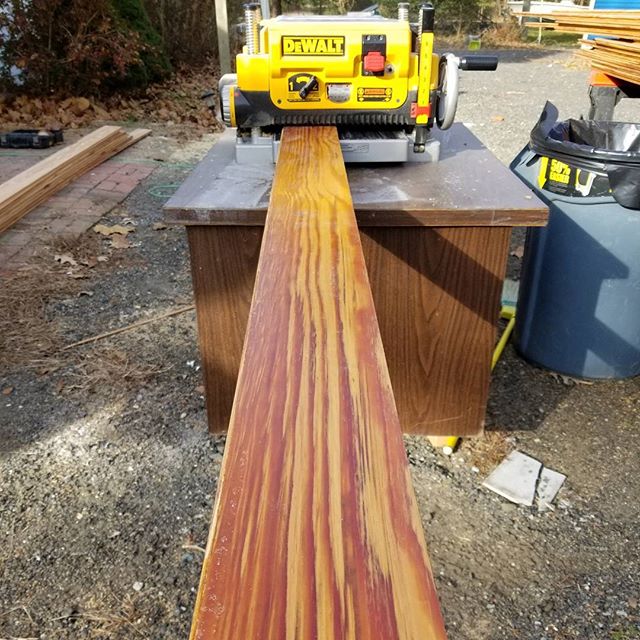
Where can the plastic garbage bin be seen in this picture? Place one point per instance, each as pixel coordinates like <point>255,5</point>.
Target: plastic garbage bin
<point>579,303</point>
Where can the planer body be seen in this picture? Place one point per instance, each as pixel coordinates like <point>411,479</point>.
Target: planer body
<point>377,79</point>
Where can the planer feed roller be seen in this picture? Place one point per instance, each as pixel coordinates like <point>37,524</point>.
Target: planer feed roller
<point>377,79</point>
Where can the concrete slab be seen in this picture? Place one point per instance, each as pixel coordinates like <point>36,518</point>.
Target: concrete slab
<point>549,484</point>
<point>515,478</point>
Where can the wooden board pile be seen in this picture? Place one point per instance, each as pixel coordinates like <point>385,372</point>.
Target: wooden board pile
<point>617,54</point>
<point>32,187</point>
<point>617,58</point>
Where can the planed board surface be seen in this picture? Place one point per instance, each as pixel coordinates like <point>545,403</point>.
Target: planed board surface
<point>316,532</point>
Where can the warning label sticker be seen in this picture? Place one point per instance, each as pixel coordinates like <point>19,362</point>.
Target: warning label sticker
<point>563,179</point>
<point>375,94</point>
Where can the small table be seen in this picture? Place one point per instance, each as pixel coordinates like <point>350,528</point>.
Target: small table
<point>605,92</point>
<point>435,239</point>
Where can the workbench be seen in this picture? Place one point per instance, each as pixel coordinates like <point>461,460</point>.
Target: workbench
<point>435,239</point>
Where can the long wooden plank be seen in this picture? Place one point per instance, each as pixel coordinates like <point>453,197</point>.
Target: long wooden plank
<point>316,532</point>
<point>631,49</point>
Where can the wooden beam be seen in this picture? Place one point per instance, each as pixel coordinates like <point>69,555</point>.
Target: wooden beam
<point>222,26</point>
<point>316,531</point>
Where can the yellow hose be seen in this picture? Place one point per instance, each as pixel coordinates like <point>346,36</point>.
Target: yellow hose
<point>506,313</point>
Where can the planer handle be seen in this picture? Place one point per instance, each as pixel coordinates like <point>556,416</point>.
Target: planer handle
<point>478,63</point>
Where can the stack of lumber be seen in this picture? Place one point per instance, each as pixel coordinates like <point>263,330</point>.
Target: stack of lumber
<point>617,58</point>
<point>617,54</point>
<point>32,187</point>
<point>623,23</point>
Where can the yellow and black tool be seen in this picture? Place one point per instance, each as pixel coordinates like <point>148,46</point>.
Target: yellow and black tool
<point>377,79</point>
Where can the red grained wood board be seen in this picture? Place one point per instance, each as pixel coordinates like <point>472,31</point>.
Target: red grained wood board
<point>316,532</point>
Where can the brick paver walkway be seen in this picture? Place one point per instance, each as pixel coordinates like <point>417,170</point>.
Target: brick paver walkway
<point>70,212</point>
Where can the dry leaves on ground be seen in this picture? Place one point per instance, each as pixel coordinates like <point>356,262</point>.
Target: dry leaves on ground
<point>175,101</point>
<point>30,335</point>
<point>518,252</point>
<point>106,230</point>
<point>109,369</point>
<point>120,242</point>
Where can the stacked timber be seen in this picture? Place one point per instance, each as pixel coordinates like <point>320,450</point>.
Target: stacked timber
<point>35,185</point>
<point>617,58</point>
<point>615,50</point>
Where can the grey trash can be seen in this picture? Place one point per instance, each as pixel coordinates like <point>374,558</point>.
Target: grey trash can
<point>578,309</point>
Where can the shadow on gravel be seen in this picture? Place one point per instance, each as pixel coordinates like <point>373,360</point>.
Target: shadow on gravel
<point>523,396</point>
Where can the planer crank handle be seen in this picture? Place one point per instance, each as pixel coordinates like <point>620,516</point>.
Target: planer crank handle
<point>478,63</point>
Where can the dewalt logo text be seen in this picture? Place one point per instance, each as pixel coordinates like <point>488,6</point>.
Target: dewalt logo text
<point>313,46</point>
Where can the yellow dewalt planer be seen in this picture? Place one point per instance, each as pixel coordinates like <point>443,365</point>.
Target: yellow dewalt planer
<point>377,79</point>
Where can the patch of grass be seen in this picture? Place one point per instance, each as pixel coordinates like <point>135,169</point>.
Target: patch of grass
<point>122,619</point>
<point>488,451</point>
<point>555,39</point>
<point>629,633</point>
<point>109,368</point>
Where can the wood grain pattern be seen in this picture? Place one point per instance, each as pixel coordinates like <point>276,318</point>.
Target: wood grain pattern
<point>316,532</point>
<point>223,269</point>
<point>437,294</point>
<point>438,342</point>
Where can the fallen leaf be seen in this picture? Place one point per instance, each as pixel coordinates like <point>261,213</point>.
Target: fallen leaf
<point>79,106</point>
<point>7,391</point>
<point>518,252</point>
<point>65,258</point>
<point>105,230</point>
<point>497,118</point>
<point>120,242</point>
<point>89,262</point>
<point>159,226</point>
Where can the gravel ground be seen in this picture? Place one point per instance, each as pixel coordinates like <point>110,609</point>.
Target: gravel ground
<point>108,473</point>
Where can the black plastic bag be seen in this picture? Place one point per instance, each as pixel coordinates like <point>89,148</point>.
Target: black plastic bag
<point>609,148</point>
